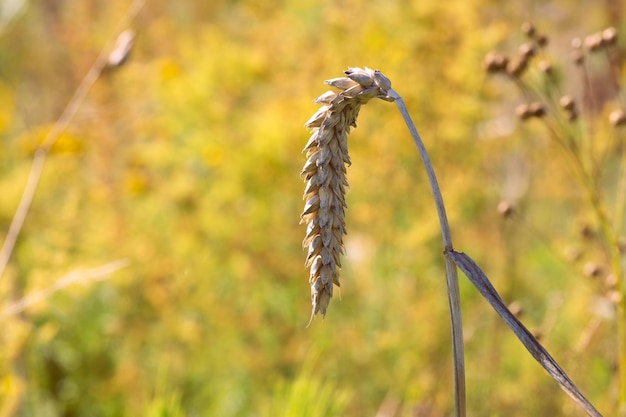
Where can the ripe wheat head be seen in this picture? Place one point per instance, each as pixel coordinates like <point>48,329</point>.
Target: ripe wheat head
<point>325,176</point>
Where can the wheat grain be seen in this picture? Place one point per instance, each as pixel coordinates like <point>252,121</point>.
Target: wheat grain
<point>325,176</point>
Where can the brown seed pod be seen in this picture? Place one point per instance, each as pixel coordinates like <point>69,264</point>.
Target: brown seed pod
<point>121,51</point>
<point>523,111</point>
<point>577,57</point>
<point>571,115</point>
<point>527,50</point>
<point>587,232</point>
<point>594,42</point>
<point>567,102</point>
<point>609,36</point>
<point>506,209</point>
<point>517,67</point>
<point>617,118</point>
<point>537,109</point>
<point>542,41</point>
<point>528,29</point>
<point>611,281</point>
<point>574,253</point>
<point>546,67</point>
<point>614,297</point>
<point>495,62</point>
<point>591,269</point>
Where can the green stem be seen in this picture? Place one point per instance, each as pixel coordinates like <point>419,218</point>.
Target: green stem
<point>610,236</point>
<point>621,286</point>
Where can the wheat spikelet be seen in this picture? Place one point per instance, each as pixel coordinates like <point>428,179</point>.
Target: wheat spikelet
<point>325,176</point>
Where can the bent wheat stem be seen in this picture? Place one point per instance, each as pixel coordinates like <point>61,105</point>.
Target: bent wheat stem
<point>324,214</point>
<point>452,280</point>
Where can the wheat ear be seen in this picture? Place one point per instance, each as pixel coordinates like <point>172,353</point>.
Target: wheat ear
<point>325,176</point>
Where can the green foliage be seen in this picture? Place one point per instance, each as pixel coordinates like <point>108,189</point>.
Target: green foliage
<point>307,396</point>
<point>185,161</point>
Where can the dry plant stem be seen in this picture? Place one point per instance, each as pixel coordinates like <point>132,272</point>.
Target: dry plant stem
<point>582,159</point>
<point>610,231</point>
<point>481,282</point>
<point>621,286</point>
<point>452,280</point>
<point>621,334</point>
<point>79,276</point>
<point>541,355</point>
<point>610,234</point>
<point>618,270</point>
<point>61,124</point>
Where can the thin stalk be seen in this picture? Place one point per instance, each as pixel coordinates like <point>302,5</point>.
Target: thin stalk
<point>60,125</point>
<point>452,280</point>
<point>621,347</point>
<point>79,276</point>
<point>610,233</point>
<point>621,287</point>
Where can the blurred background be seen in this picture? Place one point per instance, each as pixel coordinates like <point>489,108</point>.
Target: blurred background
<point>185,163</point>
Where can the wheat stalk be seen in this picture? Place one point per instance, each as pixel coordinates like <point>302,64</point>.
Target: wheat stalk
<point>324,213</point>
<point>325,176</point>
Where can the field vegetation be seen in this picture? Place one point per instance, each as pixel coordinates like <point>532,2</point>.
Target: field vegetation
<point>159,270</point>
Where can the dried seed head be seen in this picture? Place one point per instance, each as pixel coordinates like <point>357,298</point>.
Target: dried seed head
<point>381,81</point>
<point>121,51</point>
<point>359,75</point>
<point>546,67</point>
<point>542,41</point>
<point>528,29</point>
<point>609,36</point>
<point>523,111</point>
<point>591,269</point>
<point>527,111</point>
<point>527,50</point>
<point>611,281</point>
<point>614,297</point>
<point>537,109</point>
<point>567,103</point>
<point>325,174</point>
<point>495,62</point>
<point>594,42</point>
<point>506,208</point>
<point>317,118</point>
<point>573,253</point>
<point>587,232</point>
<point>326,98</point>
<point>517,67</point>
<point>617,118</point>
<point>341,83</point>
<point>577,55</point>
<point>571,115</point>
